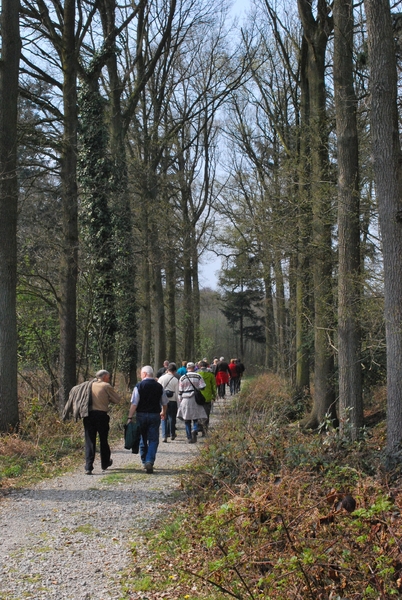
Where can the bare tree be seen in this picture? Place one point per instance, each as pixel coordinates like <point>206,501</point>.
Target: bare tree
<point>316,31</point>
<point>9,64</point>
<point>387,170</point>
<point>69,200</point>
<point>349,284</point>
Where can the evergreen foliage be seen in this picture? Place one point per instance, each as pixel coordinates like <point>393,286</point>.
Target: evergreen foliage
<point>94,173</point>
<point>242,298</point>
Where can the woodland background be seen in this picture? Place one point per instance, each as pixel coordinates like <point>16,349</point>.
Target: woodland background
<point>136,137</point>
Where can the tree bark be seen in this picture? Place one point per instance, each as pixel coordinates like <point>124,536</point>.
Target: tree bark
<point>196,297</point>
<point>387,171</point>
<point>303,316</point>
<point>158,306</point>
<point>270,338</point>
<point>9,65</point>
<point>69,200</point>
<point>316,31</point>
<point>146,318</point>
<point>188,321</point>
<point>125,267</point>
<point>280,316</point>
<point>171,337</point>
<point>349,285</point>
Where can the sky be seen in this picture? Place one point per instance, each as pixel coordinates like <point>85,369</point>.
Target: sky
<point>239,6</point>
<point>210,263</point>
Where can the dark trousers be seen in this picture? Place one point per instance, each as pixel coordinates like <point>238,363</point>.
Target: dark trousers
<point>203,424</point>
<point>169,424</point>
<point>97,422</point>
<point>234,385</point>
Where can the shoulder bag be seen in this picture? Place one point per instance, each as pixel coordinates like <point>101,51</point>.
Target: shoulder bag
<point>198,396</point>
<point>169,393</point>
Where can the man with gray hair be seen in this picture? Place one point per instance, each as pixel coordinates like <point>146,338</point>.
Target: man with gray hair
<point>149,401</point>
<point>97,421</point>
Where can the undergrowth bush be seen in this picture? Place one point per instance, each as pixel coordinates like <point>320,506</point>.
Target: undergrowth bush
<point>268,395</point>
<point>273,513</point>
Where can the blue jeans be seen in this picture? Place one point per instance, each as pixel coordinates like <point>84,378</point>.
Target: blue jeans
<point>149,442</point>
<point>169,423</point>
<point>188,427</point>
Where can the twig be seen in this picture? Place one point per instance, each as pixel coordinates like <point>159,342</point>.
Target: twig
<point>297,557</point>
<point>220,587</point>
<point>238,572</point>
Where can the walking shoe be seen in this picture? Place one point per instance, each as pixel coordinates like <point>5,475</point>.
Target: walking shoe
<point>194,436</point>
<point>88,472</point>
<point>164,440</point>
<point>149,467</point>
<point>191,441</point>
<point>173,437</point>
<point>109,465</point>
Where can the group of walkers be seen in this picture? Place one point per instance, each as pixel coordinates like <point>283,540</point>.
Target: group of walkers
<point>228,373</point>
<point>163,399</point>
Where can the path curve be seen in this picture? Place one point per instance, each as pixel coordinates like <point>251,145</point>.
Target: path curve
<point>70,537</point>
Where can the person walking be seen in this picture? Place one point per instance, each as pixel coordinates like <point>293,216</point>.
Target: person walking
<point>234,376</point>
<point>149,402</point>
<point>209,392</point>
<point>90,401</point>
<point>183,369</point>
<point>163,369</point>
<point>189,410</point>
<point>222,376</point>
<point>240,370</point>
<point>170,384</point>
<point>214,363</point>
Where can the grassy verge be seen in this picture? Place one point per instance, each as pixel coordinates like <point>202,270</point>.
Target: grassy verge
<point>273,513</point>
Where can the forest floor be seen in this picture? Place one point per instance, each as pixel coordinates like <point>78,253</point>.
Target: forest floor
<point>74,536</point>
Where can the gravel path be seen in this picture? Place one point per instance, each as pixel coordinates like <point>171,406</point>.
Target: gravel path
<point>71,536</point>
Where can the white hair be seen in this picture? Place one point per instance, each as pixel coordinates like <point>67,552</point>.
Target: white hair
<point>148,370</point>
<point>102,373</point>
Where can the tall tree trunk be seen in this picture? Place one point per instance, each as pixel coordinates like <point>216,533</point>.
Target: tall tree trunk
<point>69,200</point>
<point>280,315</point>
<point>188,321</point>
<point>387,171</point>
<point>196,298</point>
<point>94,170</point>
<point>171,337</point>
<point>316,32</point>
<point>158,311</point>
<point>9,65</point>
<point>349,285</point>
<point>270,338</point>
<point>303,314</point>
<point>125,265</point>
<point>151,198</point>
<point>146,319</point>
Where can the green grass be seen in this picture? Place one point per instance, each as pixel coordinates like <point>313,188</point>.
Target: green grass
<point>86,529</point>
